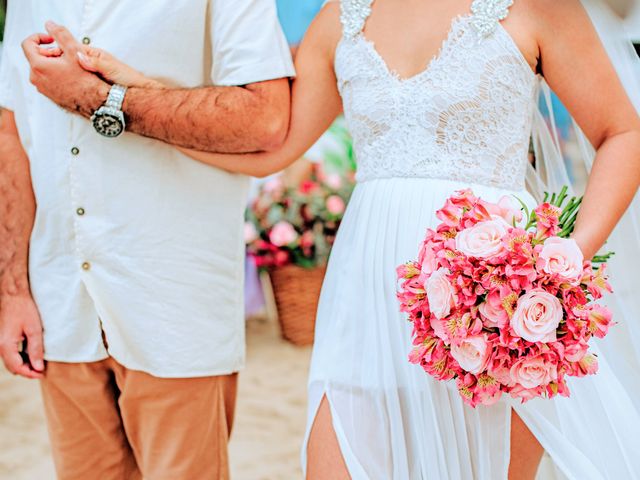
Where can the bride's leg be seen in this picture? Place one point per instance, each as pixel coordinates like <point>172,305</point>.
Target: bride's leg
<point>324,458</point>
<point>526,451</point>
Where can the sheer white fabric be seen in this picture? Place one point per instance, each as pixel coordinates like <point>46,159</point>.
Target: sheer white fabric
<point>463,122</point>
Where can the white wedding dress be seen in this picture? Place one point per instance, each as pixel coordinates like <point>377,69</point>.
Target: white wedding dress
<point>465,121</point>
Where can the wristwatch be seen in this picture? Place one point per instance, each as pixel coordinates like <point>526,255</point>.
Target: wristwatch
<point>108,120</point>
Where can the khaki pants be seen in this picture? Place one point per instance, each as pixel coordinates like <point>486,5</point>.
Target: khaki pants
<point>110,423</point>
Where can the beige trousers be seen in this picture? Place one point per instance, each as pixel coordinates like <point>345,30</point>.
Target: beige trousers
<point>110,423</point>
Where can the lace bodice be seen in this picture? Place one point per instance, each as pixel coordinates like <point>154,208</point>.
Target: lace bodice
<point>466,117</point>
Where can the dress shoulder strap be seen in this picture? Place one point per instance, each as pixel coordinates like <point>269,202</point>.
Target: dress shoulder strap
<point>487,14</point>
<point>354,15</point>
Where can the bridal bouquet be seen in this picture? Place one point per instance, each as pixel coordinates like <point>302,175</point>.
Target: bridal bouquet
<point>502,301</point>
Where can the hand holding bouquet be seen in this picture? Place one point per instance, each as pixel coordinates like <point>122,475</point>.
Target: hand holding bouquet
<point>502,301</point>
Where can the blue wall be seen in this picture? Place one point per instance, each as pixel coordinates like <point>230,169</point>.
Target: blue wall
<point>296,15</point>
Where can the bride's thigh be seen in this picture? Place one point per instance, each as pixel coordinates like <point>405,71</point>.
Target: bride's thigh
<point>526,451</point>
<point>324,458</point>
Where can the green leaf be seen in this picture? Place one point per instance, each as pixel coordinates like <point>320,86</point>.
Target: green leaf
<point>527,212</point>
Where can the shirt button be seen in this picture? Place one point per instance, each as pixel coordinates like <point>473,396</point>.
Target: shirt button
<point>80,211</point>
<point>86,40</point>
<point>86,266</point>
<point>75,151</point>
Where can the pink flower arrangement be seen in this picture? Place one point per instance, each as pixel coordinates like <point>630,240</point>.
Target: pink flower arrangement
<point>297,224</point>
<point>502,301</point>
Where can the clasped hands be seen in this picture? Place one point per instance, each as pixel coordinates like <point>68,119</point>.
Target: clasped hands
<point>75,76</point>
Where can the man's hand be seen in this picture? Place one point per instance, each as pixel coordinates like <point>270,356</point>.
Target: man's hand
<point>20,322</point>
<point>19,317</point>
<point>57,74</point>
<point>242,119</point>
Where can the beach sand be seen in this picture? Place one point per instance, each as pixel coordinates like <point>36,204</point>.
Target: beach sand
<point>270,418</point>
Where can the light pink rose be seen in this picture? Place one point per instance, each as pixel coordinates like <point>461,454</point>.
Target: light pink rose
<point>335,205</point>
<point>537,316</point>
<point>334,181</point>
<point>472,353</point>
<point>508,209</point>
<point>493,316</point>
<point>563,257</point>
<point>533,372</point>
<point>250,232</point>
<point>484,239</point>
<point>440,293</point>
<point>273,185</point>
<point>283,234</point>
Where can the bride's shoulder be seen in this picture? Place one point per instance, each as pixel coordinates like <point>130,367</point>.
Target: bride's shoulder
<point>328,20</point>
<point>535,23</point>
<point>330,13</point>
<point>326,29</point>
<point>550,13</point>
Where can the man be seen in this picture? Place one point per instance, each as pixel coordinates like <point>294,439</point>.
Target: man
<point>129,253</point>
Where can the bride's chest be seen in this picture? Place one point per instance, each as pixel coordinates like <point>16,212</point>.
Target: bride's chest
<point>467,76</point>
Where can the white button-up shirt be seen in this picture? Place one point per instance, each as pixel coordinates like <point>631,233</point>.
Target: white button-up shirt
<point>131,237</point>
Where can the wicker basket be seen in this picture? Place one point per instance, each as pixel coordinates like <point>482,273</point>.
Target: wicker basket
<point>296,291</point>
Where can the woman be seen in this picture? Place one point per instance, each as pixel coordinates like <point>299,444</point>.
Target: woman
<point>423,129</point>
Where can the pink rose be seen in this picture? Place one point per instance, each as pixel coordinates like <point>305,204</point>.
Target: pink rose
<point>335,205</point>
<point>334,181</point>
<point>493,316</point>
<point>537,316</point>
<point>562,257</point>
<point>506,208</point>
<point>533,372</point>
<point>250,233</point>
<point>440,293</point>
<point>307,240</point>
<point>273,185</point>
<point>283,234</point>
<point>471,353</point>
<point>484,239</point>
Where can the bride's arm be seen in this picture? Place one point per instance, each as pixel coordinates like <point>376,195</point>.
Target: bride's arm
<point>315,102</point>
<point>577,68</point>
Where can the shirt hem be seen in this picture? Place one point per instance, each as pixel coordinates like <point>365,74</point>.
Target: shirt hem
<point>215,372</point>
<point>271,69</point>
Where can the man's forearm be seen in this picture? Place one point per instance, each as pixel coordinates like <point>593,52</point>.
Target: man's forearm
<point>221,119</point>
<point>17,211</point>
<point>213,119</point>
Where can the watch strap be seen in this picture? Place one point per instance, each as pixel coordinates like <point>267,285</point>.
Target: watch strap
<point>116,96</point>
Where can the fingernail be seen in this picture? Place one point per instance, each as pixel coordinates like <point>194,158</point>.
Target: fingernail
<point>38,365</point>
<point>49,24</point>
<point>83,58</point>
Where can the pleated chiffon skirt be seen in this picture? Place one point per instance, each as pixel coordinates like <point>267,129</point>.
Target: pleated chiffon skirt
<point>392,420</point>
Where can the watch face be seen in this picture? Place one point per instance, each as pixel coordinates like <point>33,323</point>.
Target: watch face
<point>108,125</point>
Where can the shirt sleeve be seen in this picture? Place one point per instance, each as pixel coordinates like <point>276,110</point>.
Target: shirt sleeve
<point>7,93</point>
<point>248,44</point>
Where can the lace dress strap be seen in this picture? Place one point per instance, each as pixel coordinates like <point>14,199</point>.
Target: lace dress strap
<point>354,15</point>
<point>487,14</point>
